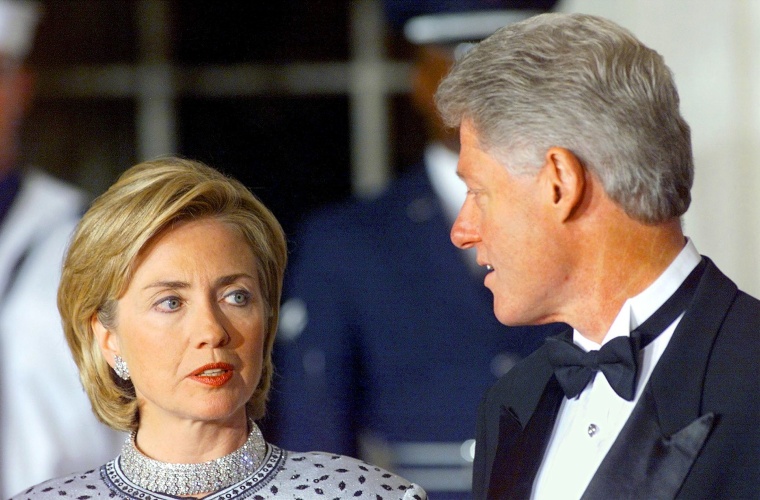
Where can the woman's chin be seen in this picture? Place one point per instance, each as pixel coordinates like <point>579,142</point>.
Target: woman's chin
<point>217,409</point>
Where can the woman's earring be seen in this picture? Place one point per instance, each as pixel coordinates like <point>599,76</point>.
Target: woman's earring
<point>120,367</point>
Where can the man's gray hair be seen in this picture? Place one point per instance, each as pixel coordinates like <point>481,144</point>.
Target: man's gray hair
<point>582,83</point>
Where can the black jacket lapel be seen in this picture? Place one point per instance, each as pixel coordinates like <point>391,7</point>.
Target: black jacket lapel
<point>678,379</point>
<point>526,422</point>
<point>657,447</point>
<point>521,451</point>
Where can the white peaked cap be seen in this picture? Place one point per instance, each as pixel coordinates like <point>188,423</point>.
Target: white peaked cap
<point>18,22</point>
<point>461,26</point>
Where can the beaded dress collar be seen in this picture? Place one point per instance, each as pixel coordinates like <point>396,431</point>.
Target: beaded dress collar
<point>191,479</point>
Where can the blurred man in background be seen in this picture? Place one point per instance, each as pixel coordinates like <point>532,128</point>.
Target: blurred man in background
<point>388,339</point>
<point>46,425</point>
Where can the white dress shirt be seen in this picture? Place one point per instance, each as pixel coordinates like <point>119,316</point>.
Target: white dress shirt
<point>587,426</point>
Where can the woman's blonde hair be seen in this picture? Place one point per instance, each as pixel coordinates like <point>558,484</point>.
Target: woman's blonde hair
<point>148,199</point>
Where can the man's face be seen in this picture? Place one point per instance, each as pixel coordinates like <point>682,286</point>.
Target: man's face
<point>506,219</point>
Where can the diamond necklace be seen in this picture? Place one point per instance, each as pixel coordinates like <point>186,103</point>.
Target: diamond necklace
<point>191,479</point>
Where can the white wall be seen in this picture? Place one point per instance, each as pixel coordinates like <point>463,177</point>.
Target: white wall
<point>713,48</point>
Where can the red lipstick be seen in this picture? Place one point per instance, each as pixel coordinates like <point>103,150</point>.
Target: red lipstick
<point>213,374</point>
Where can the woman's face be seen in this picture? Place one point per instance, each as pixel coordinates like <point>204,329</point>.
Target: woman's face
<point>191,325</point>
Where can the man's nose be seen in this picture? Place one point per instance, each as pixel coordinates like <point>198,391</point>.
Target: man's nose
<point>464,233</point>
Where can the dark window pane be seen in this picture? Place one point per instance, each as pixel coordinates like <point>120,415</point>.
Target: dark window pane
<point>86,141</point>
<point>86,32</point>
<point>223,32</point>
<point>407,133</point>
<point>292,152</point>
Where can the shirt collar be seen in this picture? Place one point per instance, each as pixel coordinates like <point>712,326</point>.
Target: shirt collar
<point>637,309</point>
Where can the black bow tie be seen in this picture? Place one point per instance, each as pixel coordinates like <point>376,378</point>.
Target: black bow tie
<point>618,358</point>
<point>575,368</point>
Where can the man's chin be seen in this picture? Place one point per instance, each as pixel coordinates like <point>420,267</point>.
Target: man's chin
<point>505,315</point>
<point>512,317</point>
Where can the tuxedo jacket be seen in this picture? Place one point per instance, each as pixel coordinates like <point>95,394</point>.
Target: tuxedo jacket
<point>694,433</point>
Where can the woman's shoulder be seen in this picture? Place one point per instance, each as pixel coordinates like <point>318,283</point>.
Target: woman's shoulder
<point>286,474</point>
<point>80,485</point>
<point>339,475</point>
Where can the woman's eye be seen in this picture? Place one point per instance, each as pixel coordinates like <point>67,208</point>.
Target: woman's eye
<point>170,304</point>
<point>238,298</point>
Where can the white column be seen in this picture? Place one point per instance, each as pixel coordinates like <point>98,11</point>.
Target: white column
<point>370,156</point>
<point>156,115</point>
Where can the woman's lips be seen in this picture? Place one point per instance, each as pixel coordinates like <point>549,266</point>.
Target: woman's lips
<point>213,374</point>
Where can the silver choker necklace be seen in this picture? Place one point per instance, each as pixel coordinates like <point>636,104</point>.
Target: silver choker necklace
<point>191,479</point>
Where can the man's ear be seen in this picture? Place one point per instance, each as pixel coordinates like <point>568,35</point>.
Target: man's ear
<point>107,340</point>
<point>566,178</point>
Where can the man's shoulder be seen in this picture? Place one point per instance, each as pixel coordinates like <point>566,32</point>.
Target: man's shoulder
<point>719,301</point>
<point>739,332</point>
<point>746,305</point>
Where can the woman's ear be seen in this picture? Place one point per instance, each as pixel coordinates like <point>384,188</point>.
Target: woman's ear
<point>107,340</point>
<point>566,178</point>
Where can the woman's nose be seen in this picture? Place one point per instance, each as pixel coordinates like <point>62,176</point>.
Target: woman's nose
<point>210,328</point>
